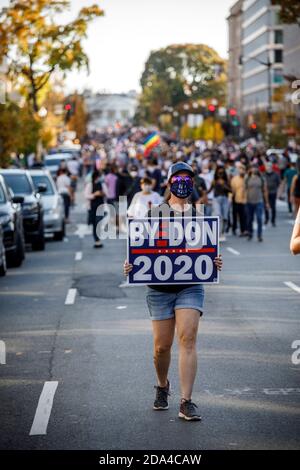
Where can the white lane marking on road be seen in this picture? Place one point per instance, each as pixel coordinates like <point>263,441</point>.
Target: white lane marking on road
<point>78,256</point>
<point>43,411</point>
<point>82,230</point>
<point>123,285</point>
<point>2,353</point>
<point>121,307</point>
<point>293,286</point>
<point>233,251</point>
<point>70,299</point>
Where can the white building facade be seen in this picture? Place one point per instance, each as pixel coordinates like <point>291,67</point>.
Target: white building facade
<point>108,110</point>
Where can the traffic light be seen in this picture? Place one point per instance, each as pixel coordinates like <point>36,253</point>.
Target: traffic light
<point>232,112</point>
<point>253,129</point>
<point>212,109</point>
<point>70,110</point>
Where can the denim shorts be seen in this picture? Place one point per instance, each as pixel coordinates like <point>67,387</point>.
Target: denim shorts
<point>162,305</point>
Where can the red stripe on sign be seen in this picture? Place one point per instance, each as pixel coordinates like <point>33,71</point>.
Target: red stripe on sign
<point>162,234</point>
<point>161,243</point>
<point>137,251</point>
<point>164,224</point>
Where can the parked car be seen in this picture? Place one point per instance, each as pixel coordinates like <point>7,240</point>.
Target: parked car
<point>11,222</point>
<point>21,184</point>
<point>53,162</point>
<point>2,254</point>
<point>54,215</point>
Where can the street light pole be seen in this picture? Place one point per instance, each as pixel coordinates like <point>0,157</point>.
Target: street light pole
<point>267,64</point>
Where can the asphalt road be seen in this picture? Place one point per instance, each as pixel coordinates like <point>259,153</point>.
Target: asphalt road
<point>87,366</point>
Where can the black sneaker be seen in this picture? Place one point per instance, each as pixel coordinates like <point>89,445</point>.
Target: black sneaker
<point>161,400</point>
<point>188,411</point>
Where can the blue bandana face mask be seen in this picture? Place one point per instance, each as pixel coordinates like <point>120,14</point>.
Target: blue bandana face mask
<point>182,186</point>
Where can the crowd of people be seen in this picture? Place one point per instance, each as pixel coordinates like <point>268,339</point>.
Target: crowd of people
<point>237,184</point>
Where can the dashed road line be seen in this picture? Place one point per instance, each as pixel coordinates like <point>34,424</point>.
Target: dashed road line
<point>121,307</point>
<point>78,256</point>
<point>43,411</point>
<point>233,251</point>
<point>2,353</point>
<point>71,295</point>
<point>293,286</point>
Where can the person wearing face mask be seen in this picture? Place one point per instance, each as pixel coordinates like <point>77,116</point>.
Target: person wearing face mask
<point>221,188</point>
<point>239,201</point>
<point>154,173</point>
<point>176,306</point>
<point>143,200</point>
<point>273,182</point>
<point>256,195</point>
<point>133,185</point>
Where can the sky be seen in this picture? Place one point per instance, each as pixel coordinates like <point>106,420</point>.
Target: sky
<point>119,43</point>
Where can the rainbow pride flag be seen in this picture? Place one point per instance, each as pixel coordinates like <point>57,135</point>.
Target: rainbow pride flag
<point>153,140</point>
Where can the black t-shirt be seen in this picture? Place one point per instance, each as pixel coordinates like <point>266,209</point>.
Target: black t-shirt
<point>156,212</point>
<point>97,186</point>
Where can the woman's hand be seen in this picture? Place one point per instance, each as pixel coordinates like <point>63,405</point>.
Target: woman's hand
<point>127,268</point>
<point>218,262</point>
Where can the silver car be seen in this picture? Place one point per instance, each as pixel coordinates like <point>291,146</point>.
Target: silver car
<point>54,161</point>
<point>54,216</point>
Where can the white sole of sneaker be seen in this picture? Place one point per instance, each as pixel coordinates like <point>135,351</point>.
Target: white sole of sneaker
<point>160,408</point>
<point>195,418</point>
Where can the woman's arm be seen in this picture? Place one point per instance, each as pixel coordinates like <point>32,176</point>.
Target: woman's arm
<point>295,239</point>
<point>292,189</point>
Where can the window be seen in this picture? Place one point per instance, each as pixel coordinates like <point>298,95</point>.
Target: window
<point>111,113</point>
<point>124,113</point>
<point>277,76</point>
<point>18,183</point>
<point>278,36</point>
<point>278,56</point>
<point>40,179</point>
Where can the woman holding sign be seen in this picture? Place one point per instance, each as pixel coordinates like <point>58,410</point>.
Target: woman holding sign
<point>175,305</point>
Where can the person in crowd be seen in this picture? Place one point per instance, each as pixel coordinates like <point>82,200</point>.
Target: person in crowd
<point>154,172</point>
<point>97,199</point>
<point>208,176</point>
<point>221,188</point>
<point>288,175</point>
<point>239,201</point>
<point>73,167</point>
<point>295,189</point>
<point>63,183</point>
<point>256,196</point>
<point>143,200</point>
<point>273,182</point>
<point>134,184</point>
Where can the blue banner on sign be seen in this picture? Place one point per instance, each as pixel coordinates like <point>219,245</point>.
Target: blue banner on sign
<point>173,251</point>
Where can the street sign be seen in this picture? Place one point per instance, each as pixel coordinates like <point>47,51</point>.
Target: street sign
<point>173,251</point>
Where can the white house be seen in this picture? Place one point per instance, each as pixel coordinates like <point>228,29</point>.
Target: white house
<point>105,109</point>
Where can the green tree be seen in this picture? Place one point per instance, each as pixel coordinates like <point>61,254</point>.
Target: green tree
<point>19,131</point>
<point>180,73</point>
<point>289,11</point>
<point>35,46</point>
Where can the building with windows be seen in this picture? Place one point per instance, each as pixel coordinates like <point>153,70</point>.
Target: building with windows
<point>262,55</point>
<point>107,109</point>
<point>235,51</point>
